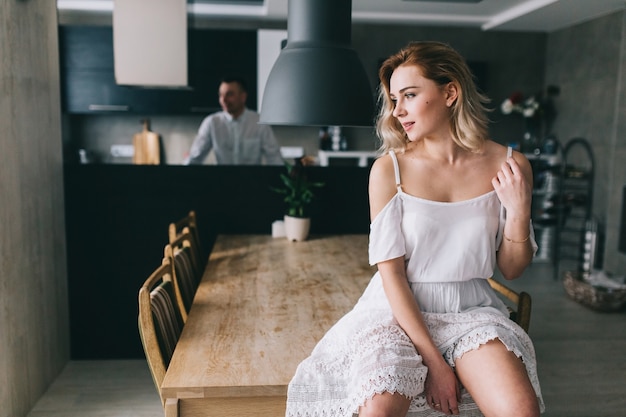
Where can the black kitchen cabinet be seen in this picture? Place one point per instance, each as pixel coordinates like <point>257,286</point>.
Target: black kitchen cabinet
<point>116,229</point>
<point>88,79</point>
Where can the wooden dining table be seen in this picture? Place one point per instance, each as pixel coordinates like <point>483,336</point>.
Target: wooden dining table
<point>262,305</point>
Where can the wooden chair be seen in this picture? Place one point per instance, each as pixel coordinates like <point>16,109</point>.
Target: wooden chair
<point>186,273</point>
<point>160,321</point>
<point>519,303</point>
<point>189,223</point>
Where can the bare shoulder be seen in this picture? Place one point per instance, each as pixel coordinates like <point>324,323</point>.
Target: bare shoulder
<point>382,175</point>
<point>499,152</point>
<point>382,184</point>
<point>381,166</point>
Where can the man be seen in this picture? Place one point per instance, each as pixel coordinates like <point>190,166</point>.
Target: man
<point>234,133</point>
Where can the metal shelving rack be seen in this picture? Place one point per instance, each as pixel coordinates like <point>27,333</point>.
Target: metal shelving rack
<point>574,206</point>
<point>546,179</point>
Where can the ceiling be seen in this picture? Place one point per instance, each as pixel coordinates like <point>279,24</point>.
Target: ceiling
<point>516,15</point>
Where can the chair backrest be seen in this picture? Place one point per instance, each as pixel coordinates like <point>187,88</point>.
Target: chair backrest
<point>186,274</point>
<point>160,321</point>
<point>520,303</point>
<point>189,223</point>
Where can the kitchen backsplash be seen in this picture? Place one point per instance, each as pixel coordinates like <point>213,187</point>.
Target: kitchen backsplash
<point>97,134</point>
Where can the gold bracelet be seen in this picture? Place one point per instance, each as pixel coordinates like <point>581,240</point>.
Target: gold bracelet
<point>517,241</point>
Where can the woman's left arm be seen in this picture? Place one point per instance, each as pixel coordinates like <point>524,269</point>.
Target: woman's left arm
<point>513,184</point>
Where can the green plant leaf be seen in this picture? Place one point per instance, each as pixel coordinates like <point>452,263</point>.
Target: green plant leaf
<point>297,189</point>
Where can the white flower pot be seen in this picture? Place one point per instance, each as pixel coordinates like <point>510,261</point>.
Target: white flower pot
<point>297,228</point>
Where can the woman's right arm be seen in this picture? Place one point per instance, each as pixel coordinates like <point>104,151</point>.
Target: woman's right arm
<point>441,383</point>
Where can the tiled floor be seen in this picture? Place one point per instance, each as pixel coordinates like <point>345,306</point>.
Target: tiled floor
<point>581,358</point>
<point>118,388</point>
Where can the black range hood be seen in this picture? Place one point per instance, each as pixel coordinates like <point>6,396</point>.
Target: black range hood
<point>318,79</point>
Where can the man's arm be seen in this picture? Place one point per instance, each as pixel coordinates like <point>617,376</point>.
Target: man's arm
<point>201,145</point>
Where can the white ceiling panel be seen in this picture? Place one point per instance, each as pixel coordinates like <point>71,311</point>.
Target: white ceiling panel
<point>517,15</point>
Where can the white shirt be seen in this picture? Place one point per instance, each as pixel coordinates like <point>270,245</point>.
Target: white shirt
<point>241,141</point>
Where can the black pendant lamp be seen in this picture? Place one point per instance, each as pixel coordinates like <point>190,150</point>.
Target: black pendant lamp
<point>318,79</point>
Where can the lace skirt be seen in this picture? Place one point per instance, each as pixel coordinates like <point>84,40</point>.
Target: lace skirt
<point>367,353</point>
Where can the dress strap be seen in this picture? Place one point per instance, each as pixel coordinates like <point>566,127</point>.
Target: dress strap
<point>509,153</point>
<point>396,169</point>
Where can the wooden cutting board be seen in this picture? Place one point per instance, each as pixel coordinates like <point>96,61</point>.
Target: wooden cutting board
<point>147,146</point>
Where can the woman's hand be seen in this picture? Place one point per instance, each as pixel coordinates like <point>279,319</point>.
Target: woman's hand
<point>442,389</point>
<point>513,184</point>
<point>513,189</point>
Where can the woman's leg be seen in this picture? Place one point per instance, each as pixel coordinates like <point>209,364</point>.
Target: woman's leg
<point>385,405</point>
<point>497,380</point>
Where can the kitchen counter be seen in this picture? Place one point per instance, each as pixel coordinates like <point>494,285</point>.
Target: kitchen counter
<point>364,158</point>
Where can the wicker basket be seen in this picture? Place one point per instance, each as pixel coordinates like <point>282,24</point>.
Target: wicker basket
<point>595,297</point>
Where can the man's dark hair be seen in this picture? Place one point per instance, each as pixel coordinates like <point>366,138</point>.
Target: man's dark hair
<point>242,83</point>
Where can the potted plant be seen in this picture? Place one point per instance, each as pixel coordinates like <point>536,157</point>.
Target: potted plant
<point>298,192</point>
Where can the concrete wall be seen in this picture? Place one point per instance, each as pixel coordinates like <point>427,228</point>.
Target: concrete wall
<point>34,339</point>
<point>588,62</point>
<point>616,261</point>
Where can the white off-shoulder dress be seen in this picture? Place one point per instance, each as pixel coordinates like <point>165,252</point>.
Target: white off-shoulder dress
<point>449,251</point>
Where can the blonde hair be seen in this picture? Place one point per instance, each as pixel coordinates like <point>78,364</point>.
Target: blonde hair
<point>442,64</point>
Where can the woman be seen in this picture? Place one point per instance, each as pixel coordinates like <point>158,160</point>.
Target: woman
<point>429,336</point>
